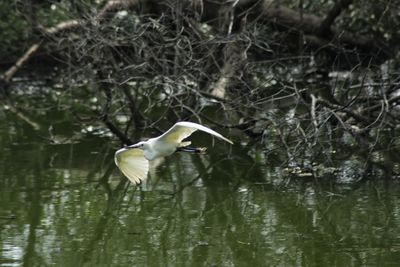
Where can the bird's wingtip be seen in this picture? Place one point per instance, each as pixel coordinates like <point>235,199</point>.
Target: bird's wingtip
<point>229,141</point>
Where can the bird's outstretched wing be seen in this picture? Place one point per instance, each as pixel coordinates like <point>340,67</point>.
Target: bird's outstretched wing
<point>184,129</point>
<point>132,163</point>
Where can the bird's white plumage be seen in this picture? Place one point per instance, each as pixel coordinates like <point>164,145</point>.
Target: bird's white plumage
<point>184,129</point>
<point>132,163</point>
<point>133,160</point>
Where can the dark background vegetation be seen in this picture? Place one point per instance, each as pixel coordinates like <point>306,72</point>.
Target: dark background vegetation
<point>311,83</point>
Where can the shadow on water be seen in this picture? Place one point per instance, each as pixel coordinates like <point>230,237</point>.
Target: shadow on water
<point>64,203</point>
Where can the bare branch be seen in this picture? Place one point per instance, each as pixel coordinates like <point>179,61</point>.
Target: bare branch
<point>326,24</point>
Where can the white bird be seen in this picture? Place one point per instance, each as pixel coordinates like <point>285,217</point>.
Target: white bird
<point>133,160</point>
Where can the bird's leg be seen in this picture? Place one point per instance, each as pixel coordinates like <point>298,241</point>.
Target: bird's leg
<point>185,147</point>
<point>192,149</point>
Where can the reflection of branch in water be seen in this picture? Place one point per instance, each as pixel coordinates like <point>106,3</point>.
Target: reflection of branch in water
<point>102,161</point>
<point>10,107</point>
<point>114,199</point>
<point>200,175</point>
<point>34,214</point>
<point>104,179</point>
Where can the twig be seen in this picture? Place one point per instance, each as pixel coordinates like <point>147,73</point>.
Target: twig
<point>313,117</point>
<point>105,117</point>
<point>346,110</point>
<point>136,115</point>
<point>379,105</point>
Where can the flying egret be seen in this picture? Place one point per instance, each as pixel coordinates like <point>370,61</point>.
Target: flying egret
<point>133,160</point>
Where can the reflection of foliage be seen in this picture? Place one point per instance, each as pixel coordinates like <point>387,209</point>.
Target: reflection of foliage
<point>196,210</point>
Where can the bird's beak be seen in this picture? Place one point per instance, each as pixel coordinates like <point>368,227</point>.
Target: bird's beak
<point>134,146</point>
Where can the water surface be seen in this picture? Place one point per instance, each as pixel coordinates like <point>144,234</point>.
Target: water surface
<point>63,203</point>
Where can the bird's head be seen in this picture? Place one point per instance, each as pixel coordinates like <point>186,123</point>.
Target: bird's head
<point>141,145</point>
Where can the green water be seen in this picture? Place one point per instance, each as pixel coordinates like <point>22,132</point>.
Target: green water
<point>63,203</point>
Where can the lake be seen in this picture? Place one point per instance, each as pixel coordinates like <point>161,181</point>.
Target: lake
<point>64,203</point>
